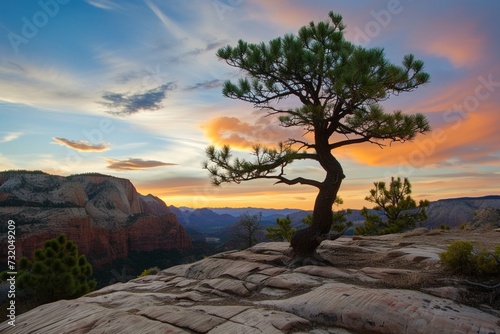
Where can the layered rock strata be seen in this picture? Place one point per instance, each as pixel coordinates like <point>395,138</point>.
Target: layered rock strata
<point>104,215</point>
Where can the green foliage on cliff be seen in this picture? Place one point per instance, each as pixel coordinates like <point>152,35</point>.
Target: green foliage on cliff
<point>25,171</point>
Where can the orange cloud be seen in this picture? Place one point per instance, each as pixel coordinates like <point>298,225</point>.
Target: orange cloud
<point>467,137</point>
<point>232,131</point>
<point>281,13</point>
<point>82,145</point>
<point>135,164</point>
<point>458,41</point>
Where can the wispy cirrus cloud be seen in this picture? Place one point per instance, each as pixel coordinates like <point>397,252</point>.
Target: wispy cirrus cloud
<point>124,104</point>
<point>82,145</point>
<point>135,164</point>
<point>169,24</point>
<point>211,84</point>
<point>10,137</point>
<point>104,4</point>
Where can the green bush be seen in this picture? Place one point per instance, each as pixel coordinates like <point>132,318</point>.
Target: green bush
<point>150,271</point>
<point>460,258</point>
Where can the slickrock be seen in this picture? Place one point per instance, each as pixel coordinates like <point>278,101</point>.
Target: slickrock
<point>252,291</point>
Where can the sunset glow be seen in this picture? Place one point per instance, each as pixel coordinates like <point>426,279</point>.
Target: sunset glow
<point>133,89</point>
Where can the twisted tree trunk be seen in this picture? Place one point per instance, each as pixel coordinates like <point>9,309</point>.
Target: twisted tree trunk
<point>305,241</point>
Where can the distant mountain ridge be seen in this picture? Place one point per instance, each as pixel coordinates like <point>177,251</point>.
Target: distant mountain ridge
<point>450,212</point>
<point>456,211</point>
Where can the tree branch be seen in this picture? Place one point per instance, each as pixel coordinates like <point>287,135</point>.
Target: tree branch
<point>351,141</point>
<point>298,180</point>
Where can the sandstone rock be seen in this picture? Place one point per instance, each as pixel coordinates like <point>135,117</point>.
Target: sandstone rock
<point>486,216</point>
<point>449,292</point>
<point>292,281</point>
<point>228,294</point>
<point>104,215</point>
<point>386,311</point>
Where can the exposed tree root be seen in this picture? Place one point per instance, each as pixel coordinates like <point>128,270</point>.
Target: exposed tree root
<point>313,260</point>
<point>307,256</point>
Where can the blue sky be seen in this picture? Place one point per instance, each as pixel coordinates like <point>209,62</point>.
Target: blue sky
<point>133,89</point>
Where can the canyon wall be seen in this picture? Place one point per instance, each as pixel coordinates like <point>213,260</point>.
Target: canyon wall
<point>104,215</point>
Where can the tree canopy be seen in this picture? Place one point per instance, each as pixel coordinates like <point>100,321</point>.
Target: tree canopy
<point>336,88</point>
<point>56,272</point>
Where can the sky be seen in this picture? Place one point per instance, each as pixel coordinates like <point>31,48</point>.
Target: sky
<point>133,89</point>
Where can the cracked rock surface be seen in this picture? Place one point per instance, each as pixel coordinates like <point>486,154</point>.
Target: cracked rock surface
<point>252,291</point>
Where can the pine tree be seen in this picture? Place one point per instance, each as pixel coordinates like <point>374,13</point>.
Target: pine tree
<point>56,272</point>
<point>337,88</point>
<point>400,210</point>
<point>282,232</point>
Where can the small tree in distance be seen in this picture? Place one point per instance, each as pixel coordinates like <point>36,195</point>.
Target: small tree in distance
<point>247,228</point>
<point>396,204</point>
<point>283,232</point>
<point>337,88</point>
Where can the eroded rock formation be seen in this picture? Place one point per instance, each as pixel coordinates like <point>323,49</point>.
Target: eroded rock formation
<point>251,291</point>
<point>104,215</point>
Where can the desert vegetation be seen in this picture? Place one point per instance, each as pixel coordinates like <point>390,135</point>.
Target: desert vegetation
<point>55,272</point>
<point>460,257</point>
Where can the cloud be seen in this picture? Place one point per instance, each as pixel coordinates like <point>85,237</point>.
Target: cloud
<point>82,145</point>
<point>10,137</point>
<point>458,40</point>
<point>135,164</point>
<point>104,4</point>
<point>123,104</point>
<point>30,83</point>
<point>462,138</point>
<point>197,51</point>
<point>239,134</point>
<point>279,12</point>
<point>169,24</point>
<point>216,83</point>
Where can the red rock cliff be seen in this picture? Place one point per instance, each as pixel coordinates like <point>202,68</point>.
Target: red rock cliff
<point>104,215</point>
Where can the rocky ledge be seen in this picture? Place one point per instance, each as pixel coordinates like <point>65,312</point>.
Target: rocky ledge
<point>252,291</point>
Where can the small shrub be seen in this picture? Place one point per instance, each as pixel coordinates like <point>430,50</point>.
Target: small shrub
<point>485,263</point>
<point>458,257</point>
<point>464,226</point>
<point>150,271</point>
